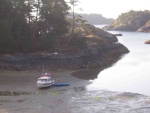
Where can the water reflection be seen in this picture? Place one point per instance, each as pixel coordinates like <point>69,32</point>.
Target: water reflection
<point>90,73</point>
<point>87,74</point>
<point>131,73</point>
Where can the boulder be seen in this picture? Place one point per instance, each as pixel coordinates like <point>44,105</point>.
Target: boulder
<point>147,42</point>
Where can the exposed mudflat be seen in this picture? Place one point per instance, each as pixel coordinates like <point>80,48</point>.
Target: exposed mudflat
<point>19,94</point>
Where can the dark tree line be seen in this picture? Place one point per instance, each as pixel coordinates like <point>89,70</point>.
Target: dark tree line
<point>96,19</point>
<point>31,25</point>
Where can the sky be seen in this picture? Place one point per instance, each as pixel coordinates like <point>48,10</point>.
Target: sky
<point>111,8</point>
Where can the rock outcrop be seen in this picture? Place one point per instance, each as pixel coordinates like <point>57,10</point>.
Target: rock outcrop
<point>102,48</point>
<point>131,21</point>
<point>147,42</point>
<point>145,28</point>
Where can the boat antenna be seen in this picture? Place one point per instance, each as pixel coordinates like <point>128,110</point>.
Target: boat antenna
<point>43,67</point>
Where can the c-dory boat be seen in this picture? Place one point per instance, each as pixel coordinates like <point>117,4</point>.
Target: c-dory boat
<point>45,81</point>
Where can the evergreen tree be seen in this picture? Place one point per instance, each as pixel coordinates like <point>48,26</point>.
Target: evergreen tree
<point>73,3</point>
<point>7,44</point>
<point>28,25</point>
<point>52,21</point>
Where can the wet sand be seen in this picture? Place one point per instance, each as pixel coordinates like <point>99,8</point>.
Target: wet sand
<point>19,94</point>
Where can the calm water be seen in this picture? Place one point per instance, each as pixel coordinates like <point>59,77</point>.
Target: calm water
<point>100,26</point>
<point>132,72</point>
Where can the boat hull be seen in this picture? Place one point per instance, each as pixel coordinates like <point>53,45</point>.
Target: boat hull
<point>44,85</point>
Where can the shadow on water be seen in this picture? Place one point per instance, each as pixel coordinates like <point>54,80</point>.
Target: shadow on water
<point>92,73</point>
<point>87,74</point>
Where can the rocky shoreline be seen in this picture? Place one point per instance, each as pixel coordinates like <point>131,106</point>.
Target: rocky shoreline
<point>101,49</point>
<point>61,61</point>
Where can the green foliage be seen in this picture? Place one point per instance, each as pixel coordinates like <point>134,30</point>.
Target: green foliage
<point>128,17</point>
<point>52,16</point>
<point>7,44</point>
<point>79,42</point>
<point>148,23</point>
<point>29,25</point>
<point>45,44</point>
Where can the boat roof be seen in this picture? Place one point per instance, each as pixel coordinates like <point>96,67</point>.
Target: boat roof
<point>45,77</point>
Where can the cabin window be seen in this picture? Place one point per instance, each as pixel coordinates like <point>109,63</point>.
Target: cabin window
<point>44,80</point>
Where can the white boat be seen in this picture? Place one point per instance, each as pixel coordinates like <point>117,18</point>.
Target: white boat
<point>45,81</point>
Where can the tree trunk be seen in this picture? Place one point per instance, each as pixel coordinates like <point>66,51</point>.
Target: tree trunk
<point>73,21</point>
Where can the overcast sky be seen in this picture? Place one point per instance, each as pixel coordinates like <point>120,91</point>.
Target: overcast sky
<point>111,8</point>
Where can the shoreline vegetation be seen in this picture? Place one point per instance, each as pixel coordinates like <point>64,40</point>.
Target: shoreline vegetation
<point>51,38</point>
<point>131,21</point>
<point>96,49</point>
<point>73,50</point>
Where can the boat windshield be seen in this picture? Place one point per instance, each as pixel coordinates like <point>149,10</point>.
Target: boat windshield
<point>44,80</point>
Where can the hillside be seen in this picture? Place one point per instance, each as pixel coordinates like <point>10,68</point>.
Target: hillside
<point>90,47</point>
<point>145,28</point>
<point>131,21</point>
<point>96,19</point>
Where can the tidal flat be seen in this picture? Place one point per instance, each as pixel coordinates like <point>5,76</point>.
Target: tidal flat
<point>19,94</point>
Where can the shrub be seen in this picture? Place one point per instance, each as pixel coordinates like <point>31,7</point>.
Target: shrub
<point>80,42</point>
